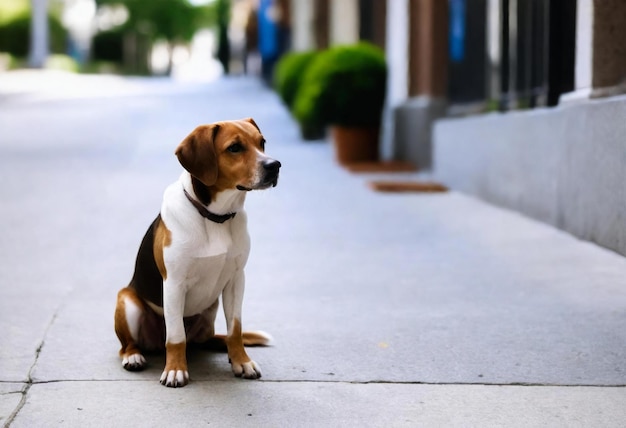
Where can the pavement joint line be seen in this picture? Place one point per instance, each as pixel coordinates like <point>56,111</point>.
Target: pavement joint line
<point>373,382</point>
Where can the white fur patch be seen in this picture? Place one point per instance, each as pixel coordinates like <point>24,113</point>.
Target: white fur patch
<point>135,360</point>
<point>175,378</point>
<point>267,338</point>
<point>133,318</point>
<point>249,370</point>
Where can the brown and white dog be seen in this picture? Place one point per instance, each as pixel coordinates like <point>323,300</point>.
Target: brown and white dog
<point>195,251</point>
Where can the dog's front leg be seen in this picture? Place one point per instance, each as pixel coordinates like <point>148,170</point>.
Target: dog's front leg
<point>232,298</point>
<point>175,373</point>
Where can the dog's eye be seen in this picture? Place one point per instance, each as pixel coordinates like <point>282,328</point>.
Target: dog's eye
<point>235,148</point>
<point>263,144</point>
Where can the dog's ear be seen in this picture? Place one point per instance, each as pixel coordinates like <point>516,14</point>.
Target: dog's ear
<point>250,120</point>
<point>197,153</point>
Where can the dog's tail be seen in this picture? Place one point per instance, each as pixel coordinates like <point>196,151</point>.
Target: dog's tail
<point>250,338</point>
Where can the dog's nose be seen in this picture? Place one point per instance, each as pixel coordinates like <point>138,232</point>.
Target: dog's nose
<point>271,166</point>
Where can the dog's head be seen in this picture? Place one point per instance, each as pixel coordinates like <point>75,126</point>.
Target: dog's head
<point>229,155</point>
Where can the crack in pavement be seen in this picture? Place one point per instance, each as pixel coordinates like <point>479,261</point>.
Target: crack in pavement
<point>12,392</point>
<point>29,382</point>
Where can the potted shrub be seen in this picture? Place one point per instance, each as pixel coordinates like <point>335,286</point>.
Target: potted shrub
<point>288,76</point>
<point>345,87</point>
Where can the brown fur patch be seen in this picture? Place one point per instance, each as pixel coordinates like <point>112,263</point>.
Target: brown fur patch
<point>129,343</point>
<point>204,154</point>
<point>249,338</point>
<point>176,356</point>
<point>162,239</point>
<point>196,153</point>
<point>236,168</point>
<point>249,119</point>
<point>234,343</point>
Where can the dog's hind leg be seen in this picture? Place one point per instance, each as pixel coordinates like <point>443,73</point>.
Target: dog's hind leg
<point>200,329</point>
<point>129,315</point>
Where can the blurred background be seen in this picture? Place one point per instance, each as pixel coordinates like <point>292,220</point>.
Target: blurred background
<point>546,77</point>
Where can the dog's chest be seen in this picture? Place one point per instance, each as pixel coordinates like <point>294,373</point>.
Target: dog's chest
<point>216,259</point>
<point>216,240</point>
<point>206,279</point>
<point>203,256</point>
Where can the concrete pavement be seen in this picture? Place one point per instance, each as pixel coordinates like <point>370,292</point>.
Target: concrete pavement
<point>386,309</point>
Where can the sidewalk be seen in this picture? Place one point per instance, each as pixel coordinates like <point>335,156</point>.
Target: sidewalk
<point>386,309</point>
<point>50,85</point>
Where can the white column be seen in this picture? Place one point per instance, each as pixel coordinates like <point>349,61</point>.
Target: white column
<point>39,34</point>
<point>344,22</point>
<point>397,47</point>
<point>584,49</point>
<point>397,52</point>
<point>78,17</point>
<point>302,36</point>
<point>494,44</point>
<point>583,69</point>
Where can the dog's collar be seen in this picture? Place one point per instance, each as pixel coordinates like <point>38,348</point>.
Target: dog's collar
<point>217,218</point>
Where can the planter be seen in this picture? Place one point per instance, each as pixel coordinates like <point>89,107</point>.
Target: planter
<point>355,144</point>
<point>312,132</point>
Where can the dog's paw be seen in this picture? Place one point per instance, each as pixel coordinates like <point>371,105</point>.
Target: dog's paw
<point>133,362</point>
<point>248,370</point>
<point>174,378</point>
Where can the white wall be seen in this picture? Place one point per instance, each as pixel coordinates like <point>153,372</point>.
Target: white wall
<point>397,47</point>
<point>583,68</point>
<point>584,40</point>
<point>344,22</point>
<point>302,14</point>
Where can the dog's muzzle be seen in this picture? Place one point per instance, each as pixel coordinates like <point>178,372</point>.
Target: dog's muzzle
<point>270,168</point>
<point>269,176</point>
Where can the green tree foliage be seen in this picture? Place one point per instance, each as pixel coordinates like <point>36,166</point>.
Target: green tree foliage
<point>172,20</point>
<point>108,46</point>
<point>15,33</point>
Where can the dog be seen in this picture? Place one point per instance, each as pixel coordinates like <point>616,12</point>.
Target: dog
<point>194,252</point>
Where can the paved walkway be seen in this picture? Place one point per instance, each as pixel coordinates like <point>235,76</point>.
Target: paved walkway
<point>386,309</point>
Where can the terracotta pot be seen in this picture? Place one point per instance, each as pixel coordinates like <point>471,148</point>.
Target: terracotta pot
<point>355,144</point>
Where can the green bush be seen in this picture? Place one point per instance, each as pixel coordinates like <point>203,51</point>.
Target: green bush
<point>8,62</point>
<point>62,62</point>
<point>15,35</point>
<point>344,85</point>
<point>289,74</point>
<point>108,46</point>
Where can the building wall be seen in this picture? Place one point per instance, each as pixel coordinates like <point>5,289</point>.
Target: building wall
<point>565,166</point>
<point>609,43</point>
